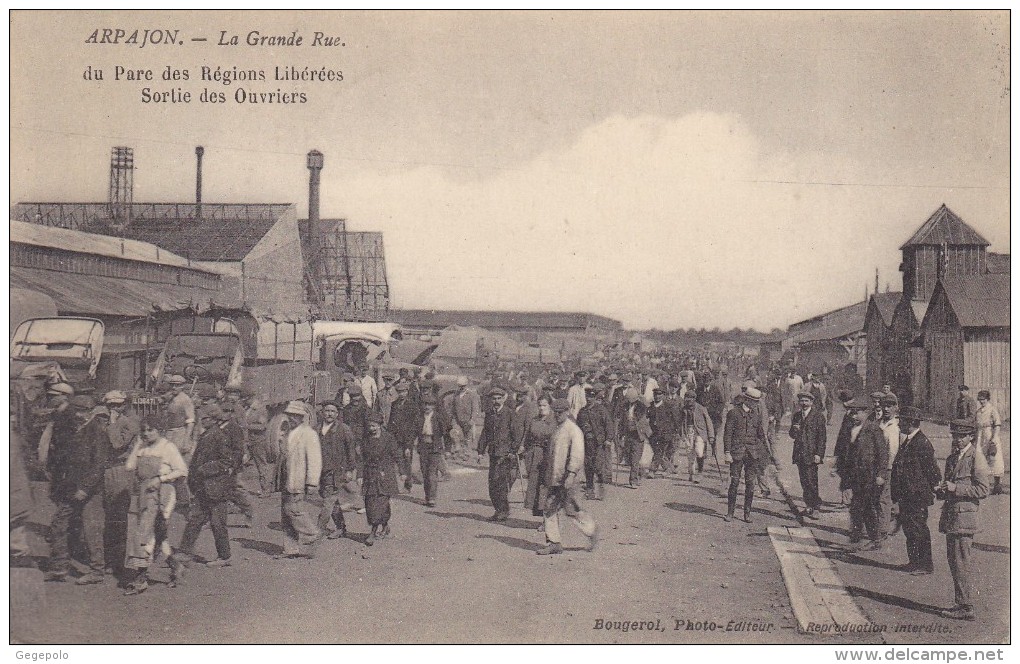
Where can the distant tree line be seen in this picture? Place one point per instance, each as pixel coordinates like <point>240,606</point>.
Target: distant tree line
<point>700,336</point>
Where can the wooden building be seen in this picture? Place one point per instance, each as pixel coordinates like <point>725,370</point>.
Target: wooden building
<point>963,339</point>
<point>944,246</point>
<point>877,332</point>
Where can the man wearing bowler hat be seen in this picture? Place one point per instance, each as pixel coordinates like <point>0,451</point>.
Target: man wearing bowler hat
<point>915,474</point>
<point>808,433</point>
<point>966,482</point>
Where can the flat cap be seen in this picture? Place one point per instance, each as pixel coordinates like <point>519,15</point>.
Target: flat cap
<point>176,379</point>
<point>844,396</point>
<point>963,388</point>
<point>753,393</point>
<point>877,395</point>
<point>910,414</point>
<point>375,418</point>
<point>115,397</point>
<point>101,411</point>
<point>984,394</point>
<point>496,390</point>
<point>560,405</point>
<point>82,401</point>
<point>860,403</point>
<point>889,400</point>
<point>805,395</point>
<point>403,387</point>
<point>57,389</point>
<point>463,381</point>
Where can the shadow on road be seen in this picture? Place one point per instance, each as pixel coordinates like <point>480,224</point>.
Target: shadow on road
<point>519,524</point>
<point>275,525</point>
<point>694,509</point>
<point>991,548</point>
<point>892,600</point>
<point>515,542</point>
<point>267,548</point>
<point>475,501</point>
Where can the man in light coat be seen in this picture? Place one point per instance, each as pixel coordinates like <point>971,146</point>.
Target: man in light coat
<point>966,482</point>
<point>300,500</point>
<point>566,459</point>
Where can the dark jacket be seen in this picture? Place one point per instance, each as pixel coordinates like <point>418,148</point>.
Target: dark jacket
<point>339,450</point>
<point>915,473</point>
<point>77,457</point>
<point>519,423</point>
<point>714,401</point>
<point>744,435</point>
<point>867,457</point>
<point>971,475</point>
<point>497,432</point>
<point>441,426</point>
<point>405,422</point>
<point>808,436</point>
<point>637,426</point>
<point>380,456</point>
<point>356,417</point>
<point>841,451</point>
<point>215,464</point>
<point>663,420</point>
<point>596,425</point>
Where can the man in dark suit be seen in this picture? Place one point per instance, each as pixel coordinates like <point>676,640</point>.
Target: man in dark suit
<point>744,441</point>
<point>405,425</point>
<point>339,461</point>
<point>662,418</point>
<point>841,452</point>
<point>597,426</point>
<point>497,441</point>
<point>966,482</point>
<point>808,433</point>
<point>866,458</point>
<point>915,474</point>
<point>435,427</point>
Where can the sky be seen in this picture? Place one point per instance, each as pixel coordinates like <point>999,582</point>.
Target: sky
<point>668,169</point>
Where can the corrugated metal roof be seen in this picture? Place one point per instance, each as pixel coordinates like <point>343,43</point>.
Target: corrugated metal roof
<point>106,296</point>
<point>979,300</point>
<point>91,243</point>
<point>945,227</point>
<point>439,319</point>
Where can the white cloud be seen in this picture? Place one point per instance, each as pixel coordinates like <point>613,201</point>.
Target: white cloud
<point>659,222</point>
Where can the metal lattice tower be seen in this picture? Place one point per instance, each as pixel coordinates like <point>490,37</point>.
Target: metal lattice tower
<point>122,184</point>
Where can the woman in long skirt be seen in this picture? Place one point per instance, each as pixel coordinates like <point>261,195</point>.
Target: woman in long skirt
<point>988,424</point>
<point>156,463</point>
<point>380,456</point>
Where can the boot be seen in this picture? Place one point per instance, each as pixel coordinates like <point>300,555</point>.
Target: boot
<point>600,491</point>
<point>731,506</point>
<point>370,540</point>
<point>139,585</point>
<point>551,548</point>
<point>997,486</point>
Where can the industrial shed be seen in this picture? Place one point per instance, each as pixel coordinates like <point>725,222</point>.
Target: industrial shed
<point>964,338</point>
<point>877,331</point>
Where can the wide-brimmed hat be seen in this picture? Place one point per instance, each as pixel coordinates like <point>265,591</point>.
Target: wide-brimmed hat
<point>114,397</point>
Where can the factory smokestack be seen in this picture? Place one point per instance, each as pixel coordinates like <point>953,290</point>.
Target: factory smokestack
<point>199,151</point>
<point>315,163</point>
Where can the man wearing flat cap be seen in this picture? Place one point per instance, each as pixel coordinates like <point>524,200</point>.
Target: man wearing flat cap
<point>966,482</point>
<point>966,404</point>
<point>809,438</point>
<point>665,424</point>
<point>180,419</point>
<point>866,459</point>
<point>745,445</point>
<point>597,426</point>
<point>562,473</point>
<point>405,424</point>
<point>497,440</point>
<point>915,474</point>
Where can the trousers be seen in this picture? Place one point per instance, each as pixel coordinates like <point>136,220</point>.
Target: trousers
<point>914,520</point>
<point>809,484</point>
<point>563,500</point>
<point>695,454</point>
<point>662,451</point>
<point>430,464</point>
<point>885,507</point>
<point>864,512</point>
<point>205,510</point>
<point>331,508</point>
<point>91,516</point>
<point>958,553</point>
<point>597,465</point>
<point>749,466</point>
<point>635,447</point>
<point>300,532</point>
<point>502,473</point>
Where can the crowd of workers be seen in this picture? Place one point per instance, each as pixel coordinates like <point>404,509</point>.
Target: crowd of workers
<point>115,479</point>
